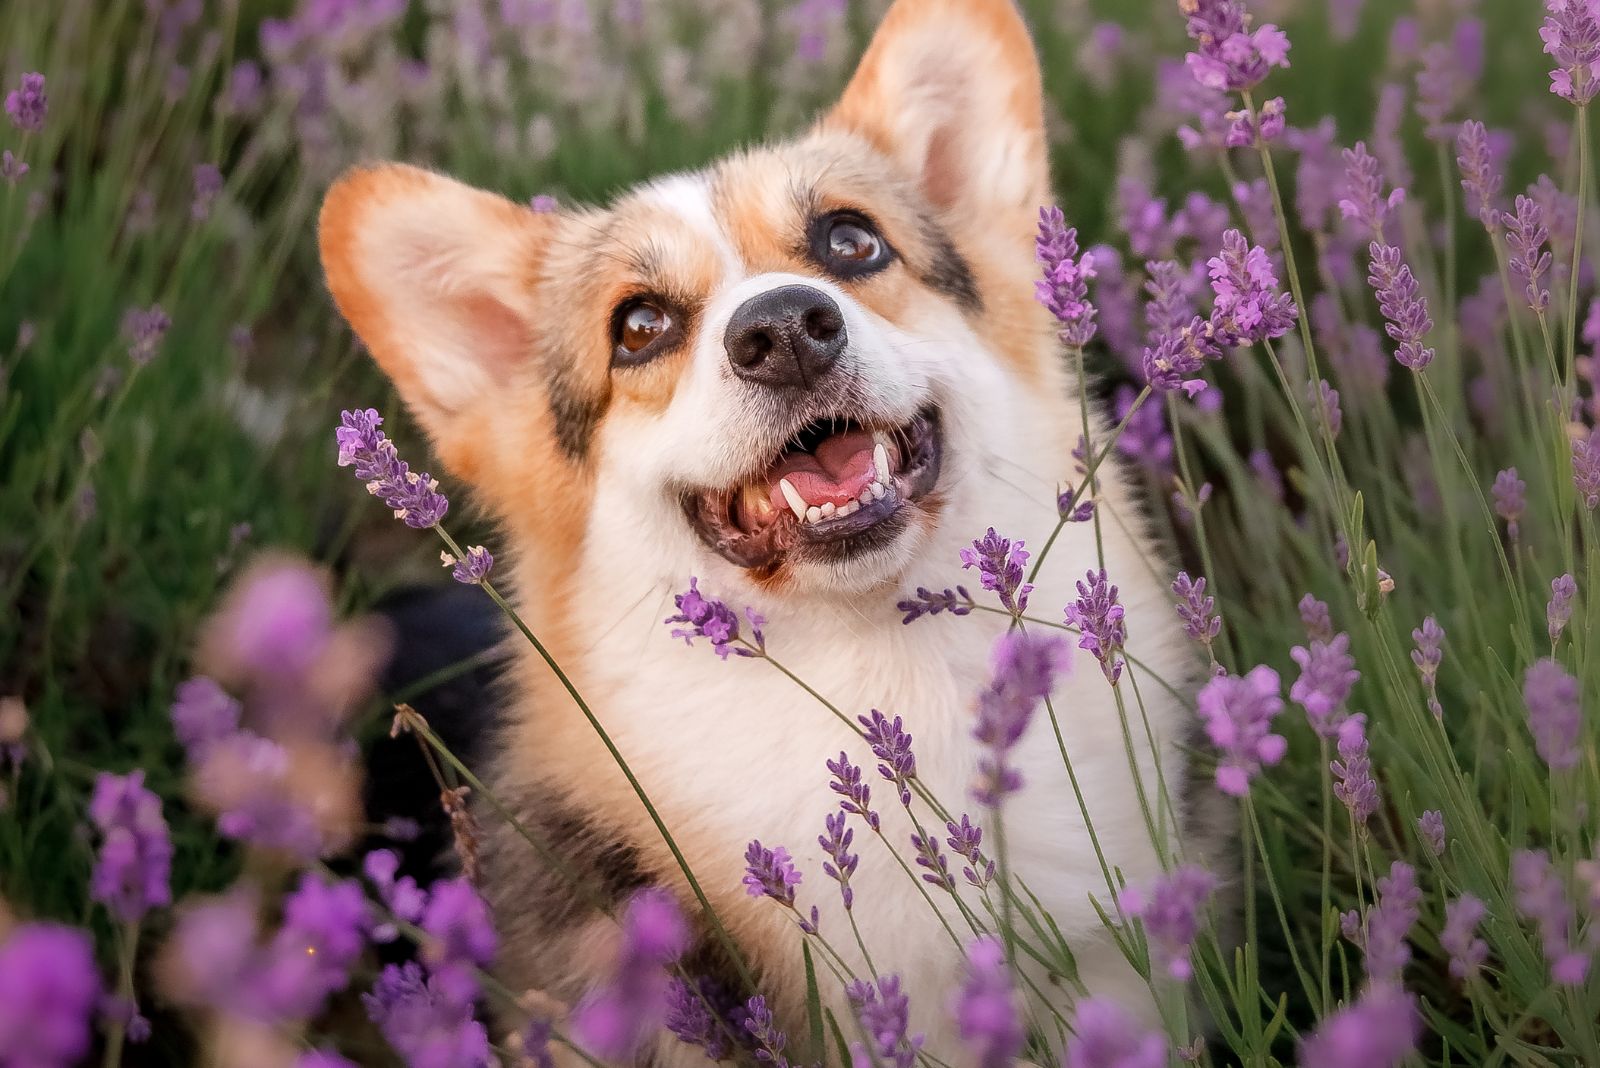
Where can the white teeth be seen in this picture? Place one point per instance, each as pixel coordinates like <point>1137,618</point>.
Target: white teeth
<point>877,491</point>
<point>813,514</point>
<point>880,461</point>
<point>850,509</point>
<point>797,503</point>
<point>827,508</point>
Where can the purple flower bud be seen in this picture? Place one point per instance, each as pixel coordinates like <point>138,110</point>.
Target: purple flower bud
<point>1526,235</point>
<point>1001,567</point>
<point>133,869</point>
<point>1553,716</point>
<point>207,187</point>
<point>841,863</point>
<point>1327,675</point>
<point>144,328</point>
<point>1248,306</point>
<point>1201,621</point>
<point>414,496</point>
<point>1317,620</point>
<point>958,602</point>
<point>884,1013</point>
<point>769,1039</point>
<point>1558,613</point>
<point>770,873</point>
<point>1364,201</point>
<point>892,746</point>
<point>27,104</point>
<point>1378,1031</point>
<point>1481,179</point>
<point>1325,402</point>
<point>1100,622</point>
<point>986,1011</point>
<point>1571,35</point>
<point>1024,669</point>
<point>1586,469</point>
<point>203,713</point>
<point>1238,712</point>
<point>1229,55</point>
<point>1427,656</point>
<point>1352,772</point>
<point>1510,495</point>
<point>857,795</point>
<point>427,1018</point>
<point>1389,921</point>
<point>966,840</point>
<point>472,568</point>
<point>1105,1036</point>
<point>1459,937</point>
<point>1430,825</point>
<point>1064,289</point>
<point>12,169</point>
<point>1542,898</point>
<point>711,619</point>
<point>1400,300</point>
<point>1171,912</point>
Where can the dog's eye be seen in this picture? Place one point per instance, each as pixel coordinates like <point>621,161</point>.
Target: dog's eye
<point>638,328</point>
<point>848,245</point>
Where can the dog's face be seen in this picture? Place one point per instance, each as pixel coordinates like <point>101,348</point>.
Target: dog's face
<point>780,361</point>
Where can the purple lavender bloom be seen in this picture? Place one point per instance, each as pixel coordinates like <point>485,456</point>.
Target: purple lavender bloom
<point>1586,468</point>
<point>1238,713</point>
<point>1542,898</point>
<point>27,104</point>
<point>543,204</point>
<point>1364,201</point>
<point>322,1058</point>
<point>427,1018</point>
<point>1064,289</point>
<point>614,1021</point>
<point>1105,1036</point>
<point>1354,783</point>
<point>1403,306</point>
<point>1327,675</point>
<point>1571,35</point>
<point>1024,669</point>
<point>1248,306</point>
<point>705,1015</point>
<point>1201,620</point>
<point>966,840</point>
<point>1145,439</point>
<point>457,921</point>
<point>203,713</point>
<point>1247,130</point>
<point>1001,567</point>
<point>472,568</point>
<point>1175,357</point>
<point>986,1009</point>
<point>1319,176</point>
<point>770,873</point>
<point>1171,911</point>
<point>1100,622</point>
<point>1427,656</point>
<point>1510,495</point>
<point>207,187</point>
<point>769,1039</point>
<point>12,169</point>
<point>933,860</point>
<point>1316,618</point>
<point>1325,401</point>
<point>1526,235</point>
<point>1267,474</point>
<point>841,863</point>
<point>1228,54</point>
<point>49,991</point>
<point>1171,304</point>
<point>884,1013</point>
<point>1070,509</point>
<point>892,746</point>
<point>1553,716</point>
<point>413,495</point>
<point>144,328</point>
<point>399,893</point>
<point>857,795</point>
<point>1430,826</point>
<point>325,926</point>
<point>1558,613</point>
<point>1378,1031</point>
<point>1448,74</point>
<point>133,870</point>
<point>1389,921</point>
<point>711,619</point>
<point>958,602</point>
<point>1459,937</point>
<point>1480,177</point>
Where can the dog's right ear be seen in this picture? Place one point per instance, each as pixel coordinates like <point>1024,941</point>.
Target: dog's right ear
<point>437,280</point>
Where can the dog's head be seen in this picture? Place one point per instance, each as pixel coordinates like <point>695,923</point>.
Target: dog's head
<point>788,361</point>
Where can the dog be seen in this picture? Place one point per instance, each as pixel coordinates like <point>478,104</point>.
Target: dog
<point>807,375</point>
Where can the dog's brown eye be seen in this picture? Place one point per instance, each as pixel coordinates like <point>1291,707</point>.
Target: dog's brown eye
<point>640,325</point>
<point>853,242</point>
<point>847,245</point>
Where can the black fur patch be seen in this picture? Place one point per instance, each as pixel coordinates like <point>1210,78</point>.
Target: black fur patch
<point>575,416</point>
<point>948,272</point>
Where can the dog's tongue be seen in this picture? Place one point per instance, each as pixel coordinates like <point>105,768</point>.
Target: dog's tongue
<point>839,469</point>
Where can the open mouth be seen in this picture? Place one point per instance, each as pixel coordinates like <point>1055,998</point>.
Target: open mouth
<point>838,487</point>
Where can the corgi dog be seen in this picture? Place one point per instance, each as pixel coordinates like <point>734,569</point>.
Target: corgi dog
<point>807,375</point>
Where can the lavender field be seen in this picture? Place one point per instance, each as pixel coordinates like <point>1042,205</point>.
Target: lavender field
<point>1329,269</point>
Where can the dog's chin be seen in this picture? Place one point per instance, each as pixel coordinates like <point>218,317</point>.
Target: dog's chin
<point>841,506</point>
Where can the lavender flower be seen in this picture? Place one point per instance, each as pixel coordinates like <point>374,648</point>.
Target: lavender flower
<point>144,329</point>
<point>1248,306</point>
<point>1327,675</point>
<point>892,746</point>
<point>1144,439</point>
<point>841,863</point>
<point>1325,401</point>
<point>1526,235</point>
<point>1400,300</point>
<point>1070,508</point>
<point>203,713</point>
<point>1586,468</point>
<point>1105,1036</point>
<point>207,187</point>
<point>1553,716</point>
<point>1248,130</point>
<point>12,169</point>
<point>1317,620</point>
<point>49,990</point>
<point>413,495</point>
<point>966,841</point>
<point>1364,201</point>
<point>857,795</point>
<point>958,602</point>
<point>770,873</point>
<point>1354,784</point>
<point>1064,289</point>
<point>1558,613</point>
<point>1389,921</point>
<point>1238,713</point>
<point>1228,54</point>
<point>459,928</point>
<point>473,567</point>
<point>930,858</point>
<point>1427,656</point>
<point>711,619</point>
<point>986,1008</point>
<point>427,1018</point>
<point>1178,355</point>
<point>1171,911</point>
<point>769,1039</point>
<point>1378,1031</point>
<point>884,1013</point>
<point>1000,563</point>
<point>27,104</point>
<point>614,1021</point>
<point>1430,826</point>
<point>1542,898</point>
<point>705,1015</point>
<point>1024,669</point>
<point>1201,621</point>
<point>133,869</point>
<point>1099,619</point>
<point>1571,35</point>
<point>1481,180</point>
<point>399,893</point>
<point>1510,499</point>
<point>1459,937</point>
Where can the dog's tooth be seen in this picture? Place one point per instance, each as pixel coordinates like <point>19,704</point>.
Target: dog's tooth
<point>850,509</point>
<point>880,461</point>
<point>827,508</point>
<point>813,514</point>
<point>877,491</point>
<point>796,502</point>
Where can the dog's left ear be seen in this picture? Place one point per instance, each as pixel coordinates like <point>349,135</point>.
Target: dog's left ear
<point>951,90</point>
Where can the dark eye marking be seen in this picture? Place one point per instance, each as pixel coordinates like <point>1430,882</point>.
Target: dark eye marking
<point>847,245</point>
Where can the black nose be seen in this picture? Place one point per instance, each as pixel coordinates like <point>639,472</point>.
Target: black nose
<point>786,338</point>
